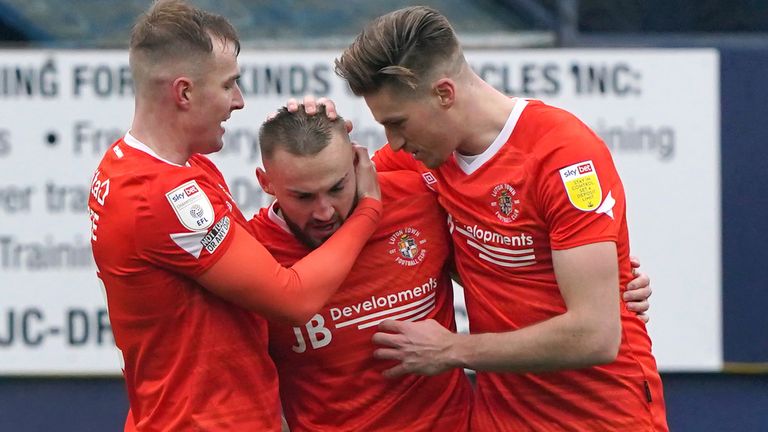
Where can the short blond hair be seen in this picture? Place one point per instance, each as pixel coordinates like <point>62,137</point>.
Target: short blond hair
<point>402,49</point>
<point>173,30</point>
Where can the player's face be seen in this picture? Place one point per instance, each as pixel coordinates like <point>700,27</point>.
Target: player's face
<point>217,95</point>
<point>415,124</point>
<point>315,193</point>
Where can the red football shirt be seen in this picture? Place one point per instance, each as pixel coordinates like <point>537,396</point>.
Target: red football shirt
<point>329,380</point>
<point>547,182</point>
<point>192,360</point>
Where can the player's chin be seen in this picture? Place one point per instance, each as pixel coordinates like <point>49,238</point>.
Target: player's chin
<point>433,162</point>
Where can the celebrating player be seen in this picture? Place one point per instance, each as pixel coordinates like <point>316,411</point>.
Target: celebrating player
<point>537,217</point>
<point>329,379</point>
<point>181,271</point>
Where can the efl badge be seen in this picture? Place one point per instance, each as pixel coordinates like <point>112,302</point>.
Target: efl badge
<point>192,206</point>
<point>582,185</point>
<point>407,246</point>
<point>505,203</point>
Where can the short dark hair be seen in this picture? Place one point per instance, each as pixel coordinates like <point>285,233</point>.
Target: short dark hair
<point>402,49</point>
<point>173,29</point>
<point>298,133</point>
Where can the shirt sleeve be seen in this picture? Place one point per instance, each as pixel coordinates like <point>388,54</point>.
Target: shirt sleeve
<point>387,159</point>
<point>185,226</point>
<point>580,191</point>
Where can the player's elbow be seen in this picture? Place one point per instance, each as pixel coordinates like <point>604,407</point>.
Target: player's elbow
<point>299,313</point>
<point>604,344</point>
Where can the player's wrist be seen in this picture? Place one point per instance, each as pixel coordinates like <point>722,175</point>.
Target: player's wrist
<point>459,352</point>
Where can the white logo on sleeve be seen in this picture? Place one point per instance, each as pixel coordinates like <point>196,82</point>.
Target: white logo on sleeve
<point>192,206</point>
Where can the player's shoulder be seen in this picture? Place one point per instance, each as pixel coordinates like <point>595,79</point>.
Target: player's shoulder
<point>559,131</point>
<point>261,226</point>
<point>396,185</point>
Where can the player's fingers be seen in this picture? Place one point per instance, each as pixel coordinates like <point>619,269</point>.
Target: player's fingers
<point>388,339</point>
<point>639,307</point>
<point>390,326</point>
<point>644,317</point>
<point>330,108</point>
<point>634,261</point>
<point>388,354</point>
<point>641,282</point>
<point>292,105</point>
<point>395,372</point>
<point>637,294</point>
<point>310,104</point>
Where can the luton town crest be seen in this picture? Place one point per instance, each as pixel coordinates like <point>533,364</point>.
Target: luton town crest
<point>505,203</point>
<point>407,246</point>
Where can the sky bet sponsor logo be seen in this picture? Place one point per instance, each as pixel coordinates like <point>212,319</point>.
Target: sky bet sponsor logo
<point>191,190</point>
<point>192,206</point>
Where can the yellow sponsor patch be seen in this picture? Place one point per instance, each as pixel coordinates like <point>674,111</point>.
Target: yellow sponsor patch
<point>581,184</point>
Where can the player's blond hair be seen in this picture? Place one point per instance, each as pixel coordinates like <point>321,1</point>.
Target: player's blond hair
<point>402,50</point>
<point>299,133</point>
<point>173,32</point>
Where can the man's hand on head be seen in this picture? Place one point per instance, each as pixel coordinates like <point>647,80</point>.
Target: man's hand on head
<point>311,105</point>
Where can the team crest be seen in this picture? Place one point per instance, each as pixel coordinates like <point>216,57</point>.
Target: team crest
<point>407,246</point>
<point>582,185</point>
<point>505,203</point>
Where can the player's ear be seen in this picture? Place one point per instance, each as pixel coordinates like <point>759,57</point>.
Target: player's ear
<point>264,181</point>
<point>182,92</point>
<point>445,90</point>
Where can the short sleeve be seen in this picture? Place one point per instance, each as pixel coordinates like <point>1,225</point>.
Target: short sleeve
<point>580,191</point>
<point>185,225</point>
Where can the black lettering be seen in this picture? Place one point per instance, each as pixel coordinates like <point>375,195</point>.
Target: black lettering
<point>26,327</point>
<point>49,85</point>
<point>86,138</point>
<point>246,193</point>
<point>551,77</point>
<point>77,327</point>
<point>103,328</point>
<point>102,81</point>
<point>299,80</point>
<point>79,80</point>
<point>322,73</point>
<point>66,198</point>
<point>14,199</point>
<point>7,338</point>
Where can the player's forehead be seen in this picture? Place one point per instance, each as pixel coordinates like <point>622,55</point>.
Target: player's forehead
<point>388,105</point>
<point>224,59</point>
<point>311,174</point>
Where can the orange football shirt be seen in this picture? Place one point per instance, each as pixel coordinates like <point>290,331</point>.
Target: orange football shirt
<point>329,380</point>
<point>546,183</point>
<point>192,361</point>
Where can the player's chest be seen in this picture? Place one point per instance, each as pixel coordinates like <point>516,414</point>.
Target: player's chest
<point>495,217</point>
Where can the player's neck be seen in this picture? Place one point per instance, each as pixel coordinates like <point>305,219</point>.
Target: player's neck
<point>159,134</point>
<point>488,110</point>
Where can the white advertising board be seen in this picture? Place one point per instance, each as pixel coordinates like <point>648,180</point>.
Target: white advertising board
<point>658,111</point>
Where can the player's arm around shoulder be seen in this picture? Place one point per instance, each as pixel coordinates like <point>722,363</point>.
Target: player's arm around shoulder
<point>249,276</point>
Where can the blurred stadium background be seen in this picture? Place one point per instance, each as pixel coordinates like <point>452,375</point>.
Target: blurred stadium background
<point>677,88</point>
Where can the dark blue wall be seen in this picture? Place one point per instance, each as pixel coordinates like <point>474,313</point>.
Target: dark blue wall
<point>744,108</point>
<point>695,402</point>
